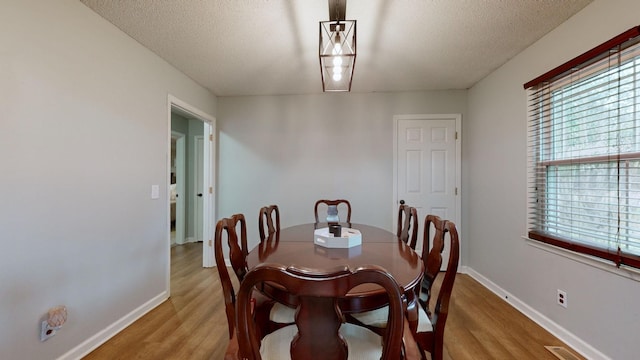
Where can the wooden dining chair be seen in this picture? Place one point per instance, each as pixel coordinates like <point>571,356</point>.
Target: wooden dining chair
<point>268,221</point>
<point>431,256</point>
<point>432,261</point>
<point>270,314</point>
<point>319,331</point>
<point>408,225</point>
<point>237,256</point>
<point>430,331</point>
<point>332,211</point>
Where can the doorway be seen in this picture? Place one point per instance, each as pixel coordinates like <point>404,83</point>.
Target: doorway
<point>177,188</point>
<point>427,167</point>
<point>199,178</point>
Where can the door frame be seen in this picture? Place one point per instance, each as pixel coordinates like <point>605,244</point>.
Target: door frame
<point>209,158</point>
<point>429,117</point>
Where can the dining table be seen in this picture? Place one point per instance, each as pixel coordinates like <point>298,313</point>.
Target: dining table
<point>294,247</point>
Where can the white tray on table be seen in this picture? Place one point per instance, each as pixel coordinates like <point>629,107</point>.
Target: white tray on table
<point>349,238</point>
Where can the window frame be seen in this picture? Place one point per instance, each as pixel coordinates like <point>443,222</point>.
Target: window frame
<point>582,61</point>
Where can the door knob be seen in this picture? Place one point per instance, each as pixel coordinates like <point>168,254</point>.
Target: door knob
<point>401,202</point>
<point>199,194</point>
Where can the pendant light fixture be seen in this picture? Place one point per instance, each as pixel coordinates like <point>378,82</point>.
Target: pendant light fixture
<point>337,48</point>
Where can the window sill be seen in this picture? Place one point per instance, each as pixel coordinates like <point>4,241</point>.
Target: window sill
<point>624,271</point>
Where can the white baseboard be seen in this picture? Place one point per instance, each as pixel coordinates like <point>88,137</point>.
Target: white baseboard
<point>110,331</point>
<point>558,331</point>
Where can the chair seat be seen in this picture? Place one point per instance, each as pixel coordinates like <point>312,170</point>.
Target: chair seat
<point>278,313</point>
<point>378,318</point>
<point>424,323</point>
<point>361,342</point>
<point>282,314</point>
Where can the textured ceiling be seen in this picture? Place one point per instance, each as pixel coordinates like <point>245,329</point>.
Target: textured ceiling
<point>269,47</point>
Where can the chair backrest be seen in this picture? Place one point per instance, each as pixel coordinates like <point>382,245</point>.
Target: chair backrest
<point>441,309</point>
<point>432,249</point>
<point>268,221</point>
<point>408,225</point>
<point>238,257</point>
<point>318,317</point>
<point>332,210</point>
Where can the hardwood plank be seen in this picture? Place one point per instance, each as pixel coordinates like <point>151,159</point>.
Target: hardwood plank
<point>192,324</point>
<point>481,325</point>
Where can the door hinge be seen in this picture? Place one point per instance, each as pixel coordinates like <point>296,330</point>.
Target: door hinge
<point>456,135</point>
<point>210,243</point>
<point>210,137</point>
<point>210,190</point>
<point>456,191</point>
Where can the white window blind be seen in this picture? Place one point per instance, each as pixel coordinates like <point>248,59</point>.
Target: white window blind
<point>584,147</point>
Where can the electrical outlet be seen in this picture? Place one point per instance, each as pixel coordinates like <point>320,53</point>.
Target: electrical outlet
<point>56,317</point>
<point>562,298</point>
<point>46,331</point>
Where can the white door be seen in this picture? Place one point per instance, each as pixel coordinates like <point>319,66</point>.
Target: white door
<point>427,167</point>
<point>209,199</point>
<point>199,187</point>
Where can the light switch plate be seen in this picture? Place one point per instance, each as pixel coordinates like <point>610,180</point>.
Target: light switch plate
<point>155,191</point>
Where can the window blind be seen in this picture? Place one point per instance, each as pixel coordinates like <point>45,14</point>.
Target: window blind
<point>584,152</point>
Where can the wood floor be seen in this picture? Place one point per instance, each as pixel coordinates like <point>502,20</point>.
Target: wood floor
<point>192,324</point>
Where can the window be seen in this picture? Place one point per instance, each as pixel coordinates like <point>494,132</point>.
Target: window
<point>584,148</point>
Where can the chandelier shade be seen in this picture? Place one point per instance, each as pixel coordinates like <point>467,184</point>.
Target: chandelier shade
<point>337,54</point>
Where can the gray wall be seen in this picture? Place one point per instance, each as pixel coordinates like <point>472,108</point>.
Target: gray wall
<point>602,313</point>
<point>83,136</point>
<point>294,150</point>
<point>179,124</point>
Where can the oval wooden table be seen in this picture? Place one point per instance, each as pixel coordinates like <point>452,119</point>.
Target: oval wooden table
<point>294,246</point>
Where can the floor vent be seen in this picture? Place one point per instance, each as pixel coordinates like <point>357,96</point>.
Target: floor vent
<point>561,353</point>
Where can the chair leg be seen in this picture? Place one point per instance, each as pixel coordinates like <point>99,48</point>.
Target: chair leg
<point>423,354</point>
<point>437,353</point>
